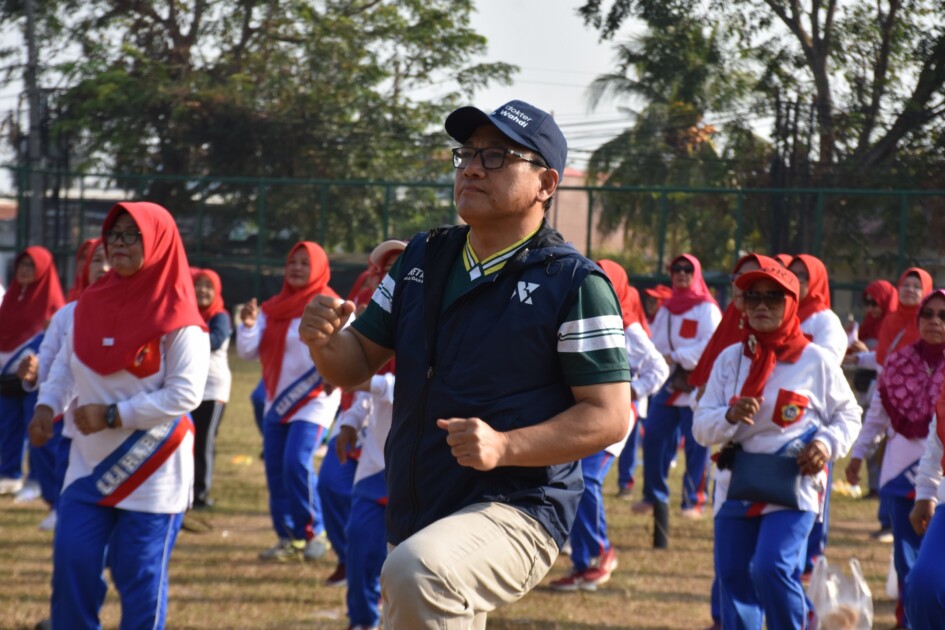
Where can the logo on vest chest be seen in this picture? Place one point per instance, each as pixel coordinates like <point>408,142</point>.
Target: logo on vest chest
<point>414,275</point>
<point>525,291</point>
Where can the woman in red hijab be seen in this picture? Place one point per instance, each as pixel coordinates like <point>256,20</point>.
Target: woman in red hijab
<point>81,280</point>
<point>136,360</point>
<point>209,415</point>
<point>818,322</point>
<point>300,406</point>
<point>592,555</point>
<point>681,330</point>
<point>900,327</point>
<point>784,408</point>
<point>28,305</point>
<point>49,462</point>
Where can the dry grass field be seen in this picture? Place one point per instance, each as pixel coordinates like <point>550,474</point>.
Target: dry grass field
<point>217,581</point>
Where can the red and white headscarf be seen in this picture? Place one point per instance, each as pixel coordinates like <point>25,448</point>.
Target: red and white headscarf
<point>631,309</point>
<point>696,293</point>
<point>216,305</point>
<point>285,306</point>
<point>887,298</point>
<point>117,316</point>
<point>81,280</point>
<point>901,327</point>
<point>786,343</point>
<point>818,287</point>
<point>25,311</point>
<point>729,331</point>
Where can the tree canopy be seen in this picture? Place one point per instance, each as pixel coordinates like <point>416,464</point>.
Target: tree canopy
<point>260,88</point>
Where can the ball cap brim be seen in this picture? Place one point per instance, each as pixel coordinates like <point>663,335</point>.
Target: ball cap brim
<point>779,275</point>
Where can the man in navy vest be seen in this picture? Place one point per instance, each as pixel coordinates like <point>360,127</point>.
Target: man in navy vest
<point>511,367</point>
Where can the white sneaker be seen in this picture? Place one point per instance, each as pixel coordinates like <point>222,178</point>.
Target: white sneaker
<point>317,547</point>
<point>29,492</point>
<point>8,485</point>
<point>48,524</point>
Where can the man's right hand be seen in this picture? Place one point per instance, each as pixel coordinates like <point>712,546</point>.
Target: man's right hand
<point>249,313</point>
<point>322,318</point>
<point>41,426</point>
<point>28,370</point>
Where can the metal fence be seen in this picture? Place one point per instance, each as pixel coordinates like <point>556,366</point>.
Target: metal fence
<point>244,226</point>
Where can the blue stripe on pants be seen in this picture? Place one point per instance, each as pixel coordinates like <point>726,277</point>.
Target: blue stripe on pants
<point>759,562</point>
<point>15,415</point>
<point>334,491</point>
<point>367,550</point>
<point>138,546</point>
<point>589,532</point>
<point>665,425</point>
<point>925,586</point>
<point>290,473</point>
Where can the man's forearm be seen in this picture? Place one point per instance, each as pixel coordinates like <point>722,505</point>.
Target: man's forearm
<point>344,361</point>
<point>588,427</point>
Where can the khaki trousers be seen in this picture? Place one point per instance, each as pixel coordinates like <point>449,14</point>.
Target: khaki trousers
<point>450,574</point>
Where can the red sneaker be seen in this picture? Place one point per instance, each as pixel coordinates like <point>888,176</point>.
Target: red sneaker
<point>569,583</point>
<point>600,570</point>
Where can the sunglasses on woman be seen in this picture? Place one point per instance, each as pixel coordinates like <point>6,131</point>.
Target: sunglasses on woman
<point>869,302</point>
<point>927,313</point>
<point>771,299</point>
<point>682,269</point>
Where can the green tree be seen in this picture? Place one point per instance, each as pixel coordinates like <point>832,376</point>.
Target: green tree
<point>265,88</point>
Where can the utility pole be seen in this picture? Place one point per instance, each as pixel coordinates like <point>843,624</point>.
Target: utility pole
<point>35,216</point>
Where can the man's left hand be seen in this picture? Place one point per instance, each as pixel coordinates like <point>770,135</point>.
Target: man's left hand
<point>90,419</point>
<point>474,443</point>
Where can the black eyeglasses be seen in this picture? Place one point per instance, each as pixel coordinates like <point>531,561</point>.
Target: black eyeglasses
<point>492,158</point>
<point>870,302</point>
<point>927,313</point>
<point>771,299</point>
<point>682,269</point>
<point>128,238</point>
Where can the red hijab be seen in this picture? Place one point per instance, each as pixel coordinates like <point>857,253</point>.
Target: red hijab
<point>786,343</point>
<point>216,306</point>
<point>285,306</point>
<point>631,309</point>
<point>118,316</point>
<point>730,330</point>
<point>81,280</point>
<point>818,287</point>
<point>784,259</point>
<point>940,423</point>
<point>26,310</point>
<point>886,296</point>
<point>379,263</point>
<point>698,292</point>
<point>903,320</point>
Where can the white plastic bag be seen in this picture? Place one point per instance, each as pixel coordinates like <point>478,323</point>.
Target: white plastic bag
<point>841,602</point>
<point>892,578</point>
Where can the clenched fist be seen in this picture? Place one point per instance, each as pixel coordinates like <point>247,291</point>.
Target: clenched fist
<point>322,318</point>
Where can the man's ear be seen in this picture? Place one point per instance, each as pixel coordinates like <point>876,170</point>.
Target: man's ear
<point>548,184</point>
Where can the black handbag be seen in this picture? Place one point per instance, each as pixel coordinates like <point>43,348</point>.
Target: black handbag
<point>11,387</point>
<point>762,477</point>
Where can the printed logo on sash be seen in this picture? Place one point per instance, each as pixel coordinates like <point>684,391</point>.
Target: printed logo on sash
<point>789,408</point>
<point>147,360</point>
<point>289,400</point>
<point>688,328</point>
<point>131,464</point>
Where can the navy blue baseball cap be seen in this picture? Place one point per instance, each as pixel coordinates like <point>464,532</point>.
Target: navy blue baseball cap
<point>517,120</point>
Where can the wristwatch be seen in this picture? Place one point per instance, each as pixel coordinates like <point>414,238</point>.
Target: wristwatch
<point>111,415</point>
